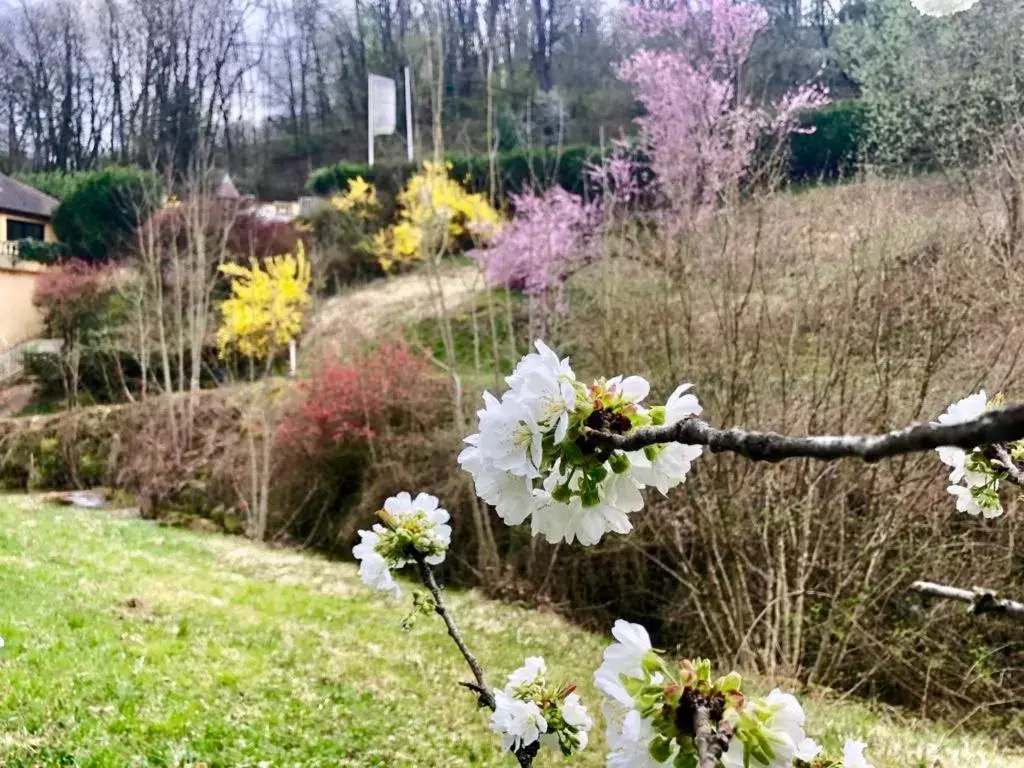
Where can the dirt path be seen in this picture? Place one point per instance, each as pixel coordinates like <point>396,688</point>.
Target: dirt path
<point>365,311</point>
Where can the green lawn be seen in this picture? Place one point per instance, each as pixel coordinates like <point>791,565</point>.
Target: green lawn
<point>130,644</point>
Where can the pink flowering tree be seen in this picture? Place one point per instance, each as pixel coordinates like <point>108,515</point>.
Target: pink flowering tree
<point>545,242</point>
<point>700,128</point>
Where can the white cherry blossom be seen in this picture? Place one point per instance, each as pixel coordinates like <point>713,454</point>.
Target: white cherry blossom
<point>965,502</point>
<point>374,570</point>
<point>509,437</point>
<point>511,495</point>
<point>785,726</point>
<point>624,657</point>
<point>681,404</point>
<point>520,723</point>
<point>853,755</point>
<point>403,507</point>
<point>630,744</point>
<point>532,668</point>
<point>545,385</point>
<point>943,7</point>
<point>572,521</point>
<point>671,464</point>
<point>632,389</point>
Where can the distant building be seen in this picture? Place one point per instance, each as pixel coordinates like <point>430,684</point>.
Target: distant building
<point>227,189</point>
<point>25,214</point>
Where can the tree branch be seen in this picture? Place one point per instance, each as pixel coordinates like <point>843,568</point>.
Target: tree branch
<point>484,694</point>
<point>711,742</point>
<point>524,755</point>
<point>1001,425</point>
<point>979,600</point>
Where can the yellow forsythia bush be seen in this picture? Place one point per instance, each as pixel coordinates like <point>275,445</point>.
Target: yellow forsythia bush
<point>267,305</point>
<point>360,199</point>
<point>434,212</point>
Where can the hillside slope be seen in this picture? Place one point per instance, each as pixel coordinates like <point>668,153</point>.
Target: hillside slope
<point>127,643</point>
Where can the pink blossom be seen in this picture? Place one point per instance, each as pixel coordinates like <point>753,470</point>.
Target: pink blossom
<point>616,174</point>
<point>543,244</point>
<point>701,131</point>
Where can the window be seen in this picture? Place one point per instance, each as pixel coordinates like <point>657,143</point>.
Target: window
<point>24,230</point>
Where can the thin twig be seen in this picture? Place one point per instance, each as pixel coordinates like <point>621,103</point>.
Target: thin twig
<point>1002,425</point>
<point>524,755</point>
<point>427,577</point>
<point>979,600</point>
<point>711,742</point>
<point>1013,473</point>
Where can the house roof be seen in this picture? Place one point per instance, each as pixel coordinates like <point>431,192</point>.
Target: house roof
<point>227,189</point>
<point>16,197</point>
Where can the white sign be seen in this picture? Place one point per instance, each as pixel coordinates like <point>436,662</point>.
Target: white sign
<point>382,105</point>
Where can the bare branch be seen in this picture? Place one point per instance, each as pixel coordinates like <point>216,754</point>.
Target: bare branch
<point>524,755</point>
<point>480,688</point>
<point>1002,425</point>
<point>979,600</point>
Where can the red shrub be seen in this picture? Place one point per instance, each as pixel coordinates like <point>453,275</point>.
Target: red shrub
<point>244,235</point>
<point>71,295</point>
<point>383,394</point>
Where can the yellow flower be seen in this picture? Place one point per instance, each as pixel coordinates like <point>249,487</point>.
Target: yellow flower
<point>360,197</point>
<point>267,304</point>
<point>435,211</point>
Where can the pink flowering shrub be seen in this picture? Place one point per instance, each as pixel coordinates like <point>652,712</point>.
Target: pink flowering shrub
<point>700,129</point>
<point>617,178</point>
<point>543,244</point>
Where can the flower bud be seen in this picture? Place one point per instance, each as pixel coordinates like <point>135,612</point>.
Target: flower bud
<point>619,463</point>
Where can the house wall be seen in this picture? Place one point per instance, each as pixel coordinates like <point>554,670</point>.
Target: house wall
<point>48,233</point>
<point>19,319</point>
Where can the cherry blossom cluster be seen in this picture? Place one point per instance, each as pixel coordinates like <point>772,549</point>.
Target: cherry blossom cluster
<point>409,526</point>
<point>650,710</point>
<point>531,710</point>
<point>974,479</point>
<point>531,459</point>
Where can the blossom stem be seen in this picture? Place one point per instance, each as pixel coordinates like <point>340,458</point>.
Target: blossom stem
<point>430,582</point>
<point>979,600</point>
<point>711,742</point>
<point>1000,425</point>
<point>524,754</point>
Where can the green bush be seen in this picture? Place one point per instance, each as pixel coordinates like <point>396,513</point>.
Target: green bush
<point>833,149</point>
<point>100,214</point>
<point>54,183</point>
<point>345,245</point>
<point>516,171</point>
<point>40,252</point>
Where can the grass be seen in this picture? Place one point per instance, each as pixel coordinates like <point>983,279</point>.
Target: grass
<point>131,644</point>
<point>473,347</point>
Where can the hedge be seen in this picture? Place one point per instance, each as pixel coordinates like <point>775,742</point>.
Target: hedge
<point>833,149</point>
<point>56,184</point>
<point>516,172</point>
<point>830,151</point>
<point>100,214</point>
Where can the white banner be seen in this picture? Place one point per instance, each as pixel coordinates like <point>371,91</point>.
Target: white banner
<point>382,105</point>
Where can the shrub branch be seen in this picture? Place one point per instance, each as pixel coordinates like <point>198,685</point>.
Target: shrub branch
<point>1001,425</point>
